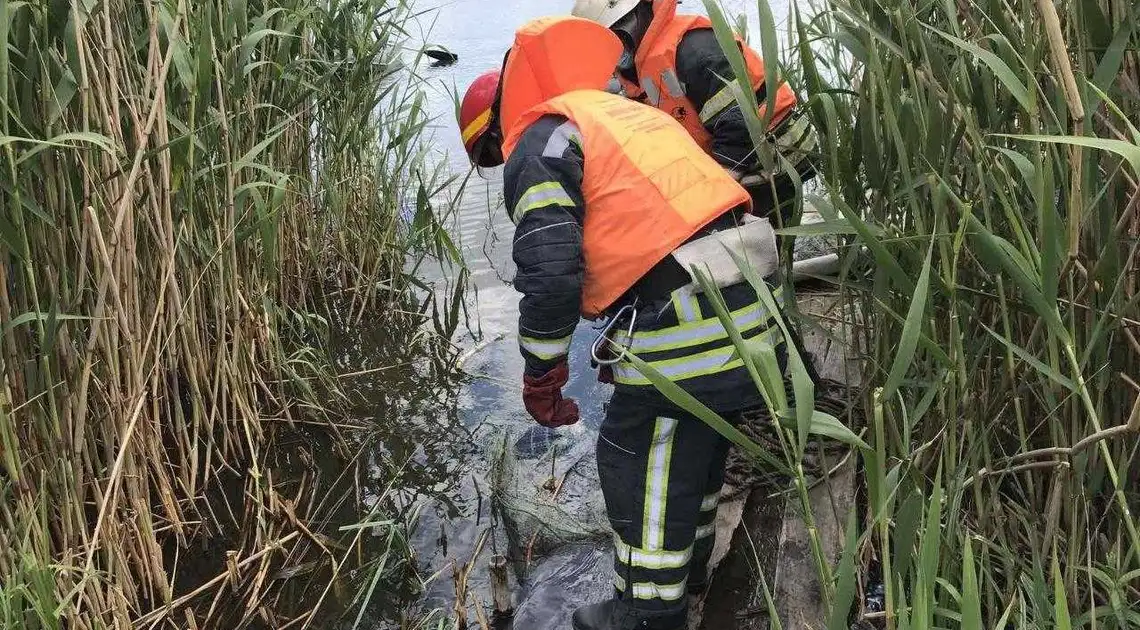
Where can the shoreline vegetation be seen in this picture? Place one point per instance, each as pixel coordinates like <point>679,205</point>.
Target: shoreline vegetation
<point>198,196</point>
<point>980,160</point>
<point>193,194</point>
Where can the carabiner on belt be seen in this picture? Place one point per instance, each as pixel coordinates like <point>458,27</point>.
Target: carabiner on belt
<point>604,336</point>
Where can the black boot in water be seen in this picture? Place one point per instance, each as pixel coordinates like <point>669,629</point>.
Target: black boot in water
<point>613,615</point>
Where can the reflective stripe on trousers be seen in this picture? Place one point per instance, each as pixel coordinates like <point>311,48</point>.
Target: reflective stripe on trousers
<point>651,590</point>
<point>657,483</point>
<point>660,470</point>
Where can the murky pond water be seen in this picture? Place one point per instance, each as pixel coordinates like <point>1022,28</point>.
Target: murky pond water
<point>452,430</point>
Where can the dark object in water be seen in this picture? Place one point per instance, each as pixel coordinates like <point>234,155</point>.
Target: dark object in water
<point>572,576</point>
<point>875,600</point>
<point>534,443</point>
<point>441,56</point>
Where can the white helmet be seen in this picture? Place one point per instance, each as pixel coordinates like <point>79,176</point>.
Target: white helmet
<point>604,12</point>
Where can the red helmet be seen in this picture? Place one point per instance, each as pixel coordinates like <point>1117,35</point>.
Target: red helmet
<point>477,121</point>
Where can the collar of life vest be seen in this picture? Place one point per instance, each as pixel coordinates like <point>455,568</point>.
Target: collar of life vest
<point>663,13</point>
<point>553,56</point>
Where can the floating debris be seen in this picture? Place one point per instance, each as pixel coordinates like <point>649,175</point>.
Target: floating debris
<point>441,56</point>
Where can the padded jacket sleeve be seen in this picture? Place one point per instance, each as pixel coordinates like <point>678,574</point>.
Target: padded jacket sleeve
<point>703,68</point>
<point>543,192</point>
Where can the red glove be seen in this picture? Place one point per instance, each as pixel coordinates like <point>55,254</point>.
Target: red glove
<point>606,374</point>
<point>543,398</point>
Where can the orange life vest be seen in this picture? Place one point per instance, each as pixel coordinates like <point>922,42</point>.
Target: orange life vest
<point>656,63</point>
<point>647,186</point>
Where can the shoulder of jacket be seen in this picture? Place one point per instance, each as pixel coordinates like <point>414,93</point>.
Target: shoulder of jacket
<point>700,40</point>
<point>548,137</point>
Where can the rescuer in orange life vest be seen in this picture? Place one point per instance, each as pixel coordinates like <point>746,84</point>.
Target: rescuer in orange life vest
<point>675,63</point>
<point>612,203</point>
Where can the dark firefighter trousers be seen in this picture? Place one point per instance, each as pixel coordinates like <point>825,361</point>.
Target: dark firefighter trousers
<point>661,468</point>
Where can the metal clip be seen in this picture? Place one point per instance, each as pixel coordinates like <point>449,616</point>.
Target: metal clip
<point>604,336</point>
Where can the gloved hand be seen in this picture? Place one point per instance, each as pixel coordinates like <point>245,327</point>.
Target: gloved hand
<point>605,372</point>
<point>543,399</point>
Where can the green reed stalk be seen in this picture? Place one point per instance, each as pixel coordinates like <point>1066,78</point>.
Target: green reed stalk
<point>984,161</point>
<point>183,183</point>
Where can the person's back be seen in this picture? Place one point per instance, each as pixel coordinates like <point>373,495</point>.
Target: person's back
<point>643,188</point>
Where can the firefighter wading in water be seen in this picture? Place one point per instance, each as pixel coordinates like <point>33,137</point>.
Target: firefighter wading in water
<point>673,62</point>
<point>612,202</point>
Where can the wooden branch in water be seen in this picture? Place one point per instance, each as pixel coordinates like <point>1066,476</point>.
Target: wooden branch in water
<point>500,586</point>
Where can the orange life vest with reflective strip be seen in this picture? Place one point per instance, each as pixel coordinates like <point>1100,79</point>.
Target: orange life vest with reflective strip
<point>647,188</point>
<point>656,63</point>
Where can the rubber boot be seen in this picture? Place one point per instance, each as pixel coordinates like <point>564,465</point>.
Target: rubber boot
<point>614,615</point>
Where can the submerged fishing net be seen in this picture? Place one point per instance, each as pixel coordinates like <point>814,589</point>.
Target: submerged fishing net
<point>545,488</point>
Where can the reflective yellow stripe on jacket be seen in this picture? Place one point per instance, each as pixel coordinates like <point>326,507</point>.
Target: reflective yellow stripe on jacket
<point>701,364</point>
<point>748,321</point>
<point>695,333</point>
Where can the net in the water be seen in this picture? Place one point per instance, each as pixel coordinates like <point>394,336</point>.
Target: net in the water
<point>545,488</point>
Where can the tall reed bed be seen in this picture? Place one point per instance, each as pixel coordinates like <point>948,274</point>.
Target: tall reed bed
<point>183,183</point>
<point>981,159</point>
